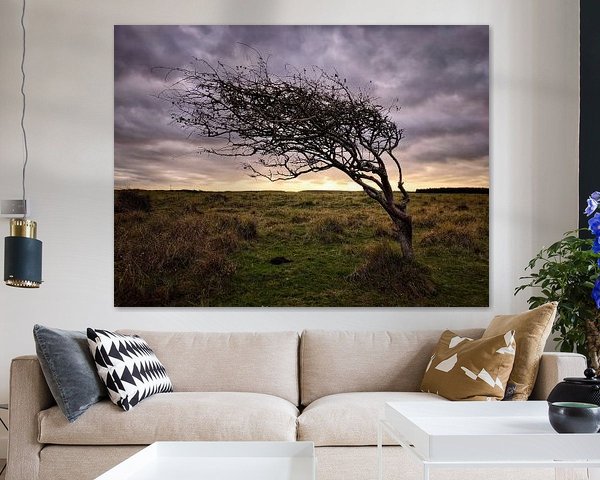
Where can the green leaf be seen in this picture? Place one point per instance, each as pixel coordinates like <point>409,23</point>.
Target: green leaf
<point>565,271</point>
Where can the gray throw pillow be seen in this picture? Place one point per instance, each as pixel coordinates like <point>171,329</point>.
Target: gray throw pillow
<point>69,369</point>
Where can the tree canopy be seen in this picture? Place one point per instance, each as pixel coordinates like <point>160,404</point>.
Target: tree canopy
<point>307,120</point>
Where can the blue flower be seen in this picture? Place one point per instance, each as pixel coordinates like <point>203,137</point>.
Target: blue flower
<point>595,196</point>
<point>596,293</point>
<point>594,224</point>
<point>592,205</point>
<point>596,245</point>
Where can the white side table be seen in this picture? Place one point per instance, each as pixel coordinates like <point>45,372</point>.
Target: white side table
<point>218,460</point>
<point>484,434</point>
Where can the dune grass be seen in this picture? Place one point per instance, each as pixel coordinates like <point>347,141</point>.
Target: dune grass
<point>187,248</point>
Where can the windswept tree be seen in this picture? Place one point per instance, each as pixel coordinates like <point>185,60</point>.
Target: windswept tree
<point>305,121</point>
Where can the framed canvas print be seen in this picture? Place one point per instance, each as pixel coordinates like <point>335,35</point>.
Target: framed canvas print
<point>332,166</point>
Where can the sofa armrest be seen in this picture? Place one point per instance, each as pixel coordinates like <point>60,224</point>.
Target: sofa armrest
<point>554,366</point>
<point>29,394</point>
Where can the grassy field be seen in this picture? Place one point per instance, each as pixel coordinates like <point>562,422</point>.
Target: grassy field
<point>186,248</point>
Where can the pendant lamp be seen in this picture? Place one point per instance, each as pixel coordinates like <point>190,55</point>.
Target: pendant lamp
<point>22,250</point>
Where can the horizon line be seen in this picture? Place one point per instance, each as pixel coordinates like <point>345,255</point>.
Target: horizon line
<point>287,191</point>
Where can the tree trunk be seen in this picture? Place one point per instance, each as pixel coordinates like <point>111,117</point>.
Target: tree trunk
<point>397,212</point>
<point>403,231</point>
<point>593,340</point>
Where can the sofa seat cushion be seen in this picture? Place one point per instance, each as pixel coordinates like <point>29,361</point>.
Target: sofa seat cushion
<point>346,419</point>
<point>175,416</point>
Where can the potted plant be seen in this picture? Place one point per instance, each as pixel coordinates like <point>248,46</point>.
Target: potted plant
<point>568,272</point>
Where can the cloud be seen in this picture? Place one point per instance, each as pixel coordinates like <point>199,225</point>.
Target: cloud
<point>438,75</point>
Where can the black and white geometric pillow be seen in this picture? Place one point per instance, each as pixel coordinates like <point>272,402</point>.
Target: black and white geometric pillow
<point>128,367</point>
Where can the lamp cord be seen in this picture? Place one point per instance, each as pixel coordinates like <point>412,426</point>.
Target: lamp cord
<point>23,111</point>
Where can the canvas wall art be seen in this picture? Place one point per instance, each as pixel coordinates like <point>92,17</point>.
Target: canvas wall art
<point>331,166</point>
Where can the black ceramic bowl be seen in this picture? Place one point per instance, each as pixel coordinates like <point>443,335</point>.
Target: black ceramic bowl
<point>574,417</point>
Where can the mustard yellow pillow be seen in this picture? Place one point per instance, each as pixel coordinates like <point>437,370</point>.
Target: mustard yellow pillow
<point>532,329</point>
<point>465,369</point>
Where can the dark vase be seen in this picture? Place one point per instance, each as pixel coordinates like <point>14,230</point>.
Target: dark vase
<point>574,417</point>
<point>575,389</point>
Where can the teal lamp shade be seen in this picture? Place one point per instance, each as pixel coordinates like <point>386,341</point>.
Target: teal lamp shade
<point>22,255</point>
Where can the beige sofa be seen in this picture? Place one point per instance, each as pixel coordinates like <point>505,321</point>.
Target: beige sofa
<point>328,387</point>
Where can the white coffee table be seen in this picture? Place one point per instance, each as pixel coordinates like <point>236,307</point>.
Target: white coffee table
<point>471,434</point>
<point>218,460</point>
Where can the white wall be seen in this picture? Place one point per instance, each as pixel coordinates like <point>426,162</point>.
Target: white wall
<point>534,136</point>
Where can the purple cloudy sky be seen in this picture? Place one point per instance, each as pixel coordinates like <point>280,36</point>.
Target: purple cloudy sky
<point>440,76</point>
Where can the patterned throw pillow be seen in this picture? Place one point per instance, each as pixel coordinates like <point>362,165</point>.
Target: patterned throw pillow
<point>128,367</point>
<point>465,369</point>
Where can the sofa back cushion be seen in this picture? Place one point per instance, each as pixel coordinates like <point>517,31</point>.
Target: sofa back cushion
<point>265,362</point>
<point>340,362</point>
